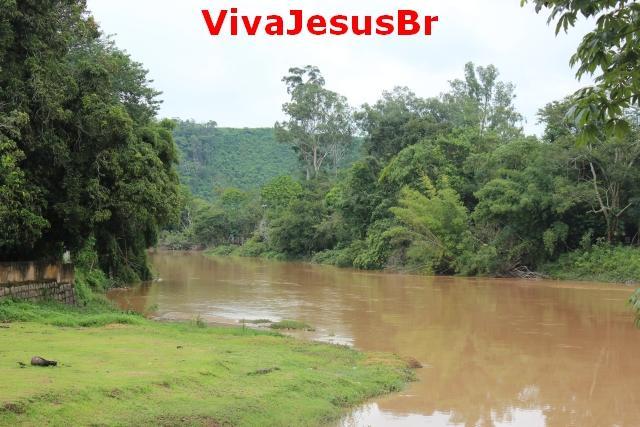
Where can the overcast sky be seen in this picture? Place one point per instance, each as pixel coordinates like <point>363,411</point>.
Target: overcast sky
<point>236,80</point>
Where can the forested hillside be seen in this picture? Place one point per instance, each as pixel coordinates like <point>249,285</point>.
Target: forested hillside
<point>213,158</point>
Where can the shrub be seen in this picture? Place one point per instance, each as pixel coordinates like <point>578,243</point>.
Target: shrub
<point>253,247</point>
<point>602,262</point>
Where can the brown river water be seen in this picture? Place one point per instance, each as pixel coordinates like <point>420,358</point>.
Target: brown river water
<point>495,352</point>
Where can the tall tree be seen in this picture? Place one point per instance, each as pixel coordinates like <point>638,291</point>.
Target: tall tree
<point>320,124</point>
<point>608,165</point>
<point>88,156</point>
<point>485,102</point>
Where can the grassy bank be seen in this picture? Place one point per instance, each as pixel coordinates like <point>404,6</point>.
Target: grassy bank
<point>600,263</point>
<point>117,368</point>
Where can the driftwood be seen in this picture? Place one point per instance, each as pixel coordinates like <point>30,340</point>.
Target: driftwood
<point>264,371</point>
<point>39,361</point>
<point>523,272</point>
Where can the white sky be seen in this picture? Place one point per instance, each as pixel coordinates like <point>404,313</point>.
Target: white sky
<point>236,80</point>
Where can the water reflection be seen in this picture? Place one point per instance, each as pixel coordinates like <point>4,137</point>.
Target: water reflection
<point>496,352</point>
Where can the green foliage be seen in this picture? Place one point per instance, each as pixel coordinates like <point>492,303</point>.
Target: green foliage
<point>253,248</point>
<point>21,204</point>
<point>98,312</point>
<point>279,192</point>
<point>602,262</point>
<point>320,127</point>
<point>356,196</point>
<point>485,103</point>
<point>377,247</point>
<point>399,119</point>
<point>213,158</point>
<point>223,250</point>
<point>533,204</point>
<point>81,150</point>
<point>611,52</point>
<point>294,232</point>
<point>437,224</point>
<point>634,300</point>
<point>340,257</point>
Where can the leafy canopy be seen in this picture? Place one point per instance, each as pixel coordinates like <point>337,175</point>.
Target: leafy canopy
<point>611,52</point>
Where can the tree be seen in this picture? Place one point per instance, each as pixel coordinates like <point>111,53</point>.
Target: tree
<point>607,164</point>
<point>279,192</point>
<point>532,206</point>
<point>484,102</point>
<point>21,205</point>
<point>294,232</point>
<point>611,52</point>
<point>320,121</point>
<point>397,120</point>
<point>438,226</point>
<point>87,157</point>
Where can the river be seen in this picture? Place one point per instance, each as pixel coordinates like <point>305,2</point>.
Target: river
<point>495,351</point>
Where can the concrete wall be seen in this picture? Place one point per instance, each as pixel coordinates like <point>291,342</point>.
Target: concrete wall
<point>36,281</point>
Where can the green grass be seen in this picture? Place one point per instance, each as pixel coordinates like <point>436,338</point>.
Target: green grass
<point>126,370</point>
<point>98,312</point>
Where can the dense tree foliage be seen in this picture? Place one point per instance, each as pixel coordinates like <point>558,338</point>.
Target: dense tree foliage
<point>320,124</point>
<point>450,185</point>
<point>611,52</point>
<point>214,158</point>
<point>83,157</point>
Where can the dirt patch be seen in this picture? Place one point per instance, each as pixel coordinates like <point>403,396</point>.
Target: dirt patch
<point>15,407</point>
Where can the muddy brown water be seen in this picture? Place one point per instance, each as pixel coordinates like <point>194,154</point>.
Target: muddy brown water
<point>495,352</point>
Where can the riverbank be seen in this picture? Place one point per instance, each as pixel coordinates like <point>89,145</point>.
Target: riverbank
<point>600,263</point>
<point>119,368</point>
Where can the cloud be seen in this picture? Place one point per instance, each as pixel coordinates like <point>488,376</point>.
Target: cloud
<point>236,80</point>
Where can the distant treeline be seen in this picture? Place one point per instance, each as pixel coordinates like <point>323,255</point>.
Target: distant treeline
<point>444,185</point>
<point>214,158</point>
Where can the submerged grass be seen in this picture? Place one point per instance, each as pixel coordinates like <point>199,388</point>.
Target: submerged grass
<point>291,325</point>
<point>124,369</point>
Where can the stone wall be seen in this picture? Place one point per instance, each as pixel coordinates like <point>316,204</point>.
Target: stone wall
<point>35,281</point>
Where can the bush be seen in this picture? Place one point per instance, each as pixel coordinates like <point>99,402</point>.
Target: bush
<point>602,263</point>
<point>253,247</point>
<point>375,251</point>
<point>340,257</point>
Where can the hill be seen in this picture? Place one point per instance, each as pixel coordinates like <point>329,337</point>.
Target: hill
<point>212,158</point>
